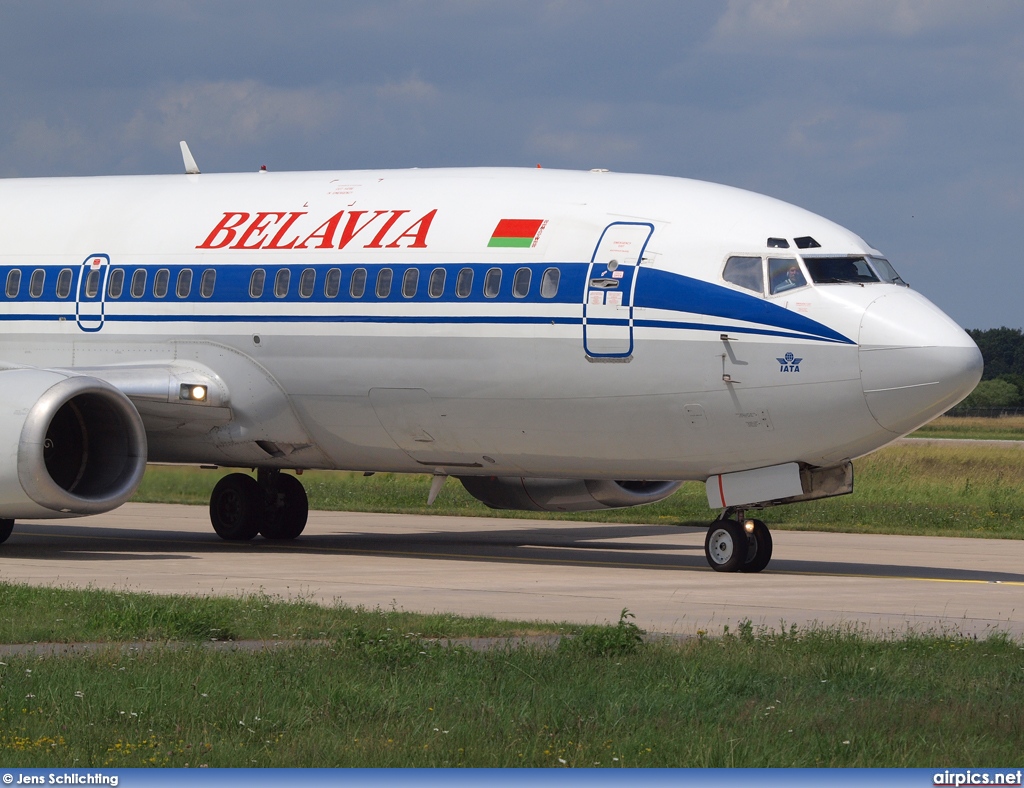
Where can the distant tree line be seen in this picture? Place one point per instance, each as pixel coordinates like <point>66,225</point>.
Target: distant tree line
<point>1002,384</point>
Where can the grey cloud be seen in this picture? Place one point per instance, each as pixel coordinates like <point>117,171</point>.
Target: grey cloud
<point>898,118</point>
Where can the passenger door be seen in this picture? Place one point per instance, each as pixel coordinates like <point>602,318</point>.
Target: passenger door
<point>611,282</point>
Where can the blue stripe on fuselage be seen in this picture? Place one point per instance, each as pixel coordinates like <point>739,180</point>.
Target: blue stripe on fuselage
<point>659,289</point>
<point>655,288</point>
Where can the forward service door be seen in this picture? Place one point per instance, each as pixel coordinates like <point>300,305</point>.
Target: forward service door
<point>611,282</point>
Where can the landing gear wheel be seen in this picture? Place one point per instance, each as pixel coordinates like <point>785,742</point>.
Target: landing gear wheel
<point>725,546</point>
<point>287,511</point>
<point>237,508</point>
<point>759,548</point>
<point>6,526</point>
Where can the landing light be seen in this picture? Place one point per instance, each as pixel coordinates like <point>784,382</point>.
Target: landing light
<point>194,393</point>
<point>748,526</point>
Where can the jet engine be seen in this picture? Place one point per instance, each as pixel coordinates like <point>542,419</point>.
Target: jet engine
<point>69,445</point>
<point>564,495</point>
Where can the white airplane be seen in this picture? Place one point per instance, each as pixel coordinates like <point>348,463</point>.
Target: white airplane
<point>562,341</point>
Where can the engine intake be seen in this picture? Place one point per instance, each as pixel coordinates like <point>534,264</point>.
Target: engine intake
<point>564,495</point>
<point>76,445</point>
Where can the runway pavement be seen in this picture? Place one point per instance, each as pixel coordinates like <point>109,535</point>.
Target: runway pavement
<point>534,570</point>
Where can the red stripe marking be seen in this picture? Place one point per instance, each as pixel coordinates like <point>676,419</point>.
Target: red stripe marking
<point>517,228</point>
<point>721,490</point>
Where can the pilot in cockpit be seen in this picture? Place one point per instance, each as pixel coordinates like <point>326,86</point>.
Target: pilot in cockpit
<point>786,277</point>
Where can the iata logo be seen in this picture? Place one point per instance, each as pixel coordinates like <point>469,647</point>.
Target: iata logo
<point>789,363</point>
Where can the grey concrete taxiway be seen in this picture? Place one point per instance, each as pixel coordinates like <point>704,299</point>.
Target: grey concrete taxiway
<point>533,570</point>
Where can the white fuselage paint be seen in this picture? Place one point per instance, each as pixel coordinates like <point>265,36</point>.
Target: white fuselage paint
<point>678,375</point>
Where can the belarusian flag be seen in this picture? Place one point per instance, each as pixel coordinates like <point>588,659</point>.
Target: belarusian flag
<point>515,232</point>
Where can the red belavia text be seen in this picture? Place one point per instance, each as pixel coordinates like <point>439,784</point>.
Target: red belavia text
<point>294,230</point>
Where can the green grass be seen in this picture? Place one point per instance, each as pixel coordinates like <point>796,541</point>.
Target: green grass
<point>1009,428</point>
<point>58,615</point>
<point>939,490</point>
<point>944,490</point>
<point>375,693</point>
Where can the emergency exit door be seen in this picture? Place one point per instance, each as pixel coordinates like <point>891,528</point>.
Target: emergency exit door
<point>92,282</point>
<point>611,283</point>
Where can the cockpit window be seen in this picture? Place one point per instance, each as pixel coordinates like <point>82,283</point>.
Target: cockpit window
<point>885,271</point>
<point>836,270</point>
<point>784,273</point>
<point>745,272</point>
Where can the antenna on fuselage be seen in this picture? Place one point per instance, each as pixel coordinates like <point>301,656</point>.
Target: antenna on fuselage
<point>191,168</point>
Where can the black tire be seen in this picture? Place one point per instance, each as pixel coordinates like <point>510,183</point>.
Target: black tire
<point>237,508</point>
<point>759,548</point>
<point>6,526</point>
<point>725,545</point>
<point>287,519</point>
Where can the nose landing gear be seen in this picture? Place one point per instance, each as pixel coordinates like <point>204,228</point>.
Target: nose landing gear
<point>273,504</point>
<point>737,544</point>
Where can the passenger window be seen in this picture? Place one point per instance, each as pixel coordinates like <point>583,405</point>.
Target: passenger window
<point>282,282</point>
<point>13,283</point>
<point>307,282</point>
<point>138,283</point>
<point>837,270</point>
<point>746,272</point>
<point>784,273</point>
<point>184,283</point>
<point>549,283</point>
<point>332,283</point>
<point>160,282</point>
<point>435,287</point>
<point>492,283</point>
<point>64,282</point>
<point>206,284</point>
<point>35,285</point>
<point>115,285</point>
<point>357,286</point>
<point>256,282</point>
<point>92,283</point>
<point>410,282</point>
<point>384,283</point>
<point>521,283</point>
<point>464,283</point>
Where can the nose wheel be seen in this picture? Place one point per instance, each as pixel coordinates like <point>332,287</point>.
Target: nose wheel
<point>738,545</point>
<point>759,548</point>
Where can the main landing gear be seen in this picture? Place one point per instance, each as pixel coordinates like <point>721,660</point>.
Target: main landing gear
<point>737,544</point>
<point>273,504</point>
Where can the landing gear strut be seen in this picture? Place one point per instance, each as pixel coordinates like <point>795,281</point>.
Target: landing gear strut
<point>737,544</point>
<point>273,504</point>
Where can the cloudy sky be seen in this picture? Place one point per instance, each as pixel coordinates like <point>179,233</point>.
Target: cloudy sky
<point>900,119</point>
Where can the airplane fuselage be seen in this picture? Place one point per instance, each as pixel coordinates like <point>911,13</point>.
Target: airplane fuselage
<point>478,322</point>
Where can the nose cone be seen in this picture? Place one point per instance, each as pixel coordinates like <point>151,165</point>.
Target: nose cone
<point>915,363</point>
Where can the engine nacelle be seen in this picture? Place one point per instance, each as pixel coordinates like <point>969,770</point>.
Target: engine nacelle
<point>563,495</point>
<point>69,445</point>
